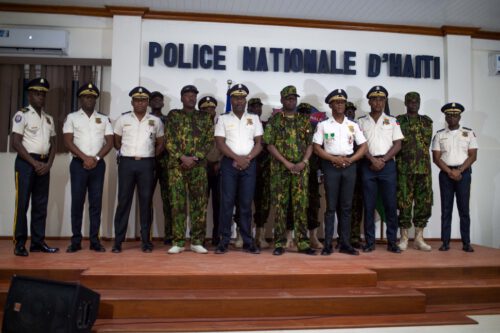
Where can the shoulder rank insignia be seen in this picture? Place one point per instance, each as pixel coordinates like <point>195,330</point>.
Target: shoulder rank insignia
<point>98,120</point>
<point>466,128</point>
<point>249,121</point>
<point>25,109</point>
<point>126,112</point>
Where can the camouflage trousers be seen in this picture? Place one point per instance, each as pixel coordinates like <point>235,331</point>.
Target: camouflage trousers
<point>262,196</point>
<point>287,188</point>
<point>188,185</point>
<point>162,176</point>
<point>414,193</point>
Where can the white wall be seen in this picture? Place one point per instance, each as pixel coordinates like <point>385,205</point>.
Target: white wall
<point>481,115</point>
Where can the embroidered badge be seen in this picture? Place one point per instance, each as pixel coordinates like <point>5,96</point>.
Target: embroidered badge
<point>249,121</point>
<point>386,122</point>
<point>18,118</point>
<point>465,134</point>
<point>98,120</point>
<point>151,122</point>
<point>351,128</point>
<point>48,120</point>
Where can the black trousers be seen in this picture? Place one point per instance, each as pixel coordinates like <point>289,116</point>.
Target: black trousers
<point>131,174</point>
<point>29,185</point>
<point>83,181</point>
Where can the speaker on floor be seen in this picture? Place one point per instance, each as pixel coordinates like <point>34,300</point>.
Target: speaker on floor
<point>43,306</point>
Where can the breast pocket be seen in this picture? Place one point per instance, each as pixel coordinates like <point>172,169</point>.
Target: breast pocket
<point>444,145</point>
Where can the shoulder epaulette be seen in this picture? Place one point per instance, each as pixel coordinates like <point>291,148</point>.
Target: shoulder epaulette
<point>124,113</point>
<point>426,117</point>
<point>362,117</point>
<point>441,130</point>
<point>102,114</point>
<point>466,128</point>
<point>26,109</point>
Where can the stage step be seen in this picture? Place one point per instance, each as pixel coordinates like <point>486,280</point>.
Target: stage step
<point>268,324</point>
<point>258,302</point>
<point>437,273</point>
<point>440,292</point>
<point>354,277</point>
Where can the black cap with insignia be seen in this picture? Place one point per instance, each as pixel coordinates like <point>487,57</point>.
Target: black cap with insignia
<point>38,84</point>
<point>88,89</point>
<point>238,90</point>
<point>453,108</point>
<point>139,92</point>
<point>377,91</point>
<point>337,94</point>
<point>189,88</point>
<point>206,102</point>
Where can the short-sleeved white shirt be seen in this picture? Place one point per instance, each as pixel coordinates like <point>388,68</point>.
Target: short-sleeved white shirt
<point>88,132</point>
<point>138,137</point>
<point>454,145</point>
<point>239,133</point>
<point>35,129</point>
<point>338,138</point>
<point>380,135</point>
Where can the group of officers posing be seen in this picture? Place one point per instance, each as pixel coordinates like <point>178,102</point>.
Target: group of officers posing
<point>244,160</point>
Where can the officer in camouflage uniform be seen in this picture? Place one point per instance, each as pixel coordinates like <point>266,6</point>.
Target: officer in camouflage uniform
<point>313,222</point>
<point>189,138</point>
<point>288,136</point>
<point>262,196</point>
<point>161,169</point>
<point>414,173</point>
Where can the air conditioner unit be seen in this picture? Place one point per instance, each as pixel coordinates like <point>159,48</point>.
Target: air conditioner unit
<point>495,63</point>
<point>33,40</point>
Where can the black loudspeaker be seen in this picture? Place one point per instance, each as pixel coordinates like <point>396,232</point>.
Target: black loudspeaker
<point>43,306</point>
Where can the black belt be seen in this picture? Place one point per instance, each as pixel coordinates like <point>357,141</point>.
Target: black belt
<point>379,156</point>
<point>350,155</point>
<point>40,156</point>
<point>454,167</point>
<point>136,158</point>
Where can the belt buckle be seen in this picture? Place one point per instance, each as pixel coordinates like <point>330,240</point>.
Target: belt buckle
<point>42,156</point>
<point>137,158</point>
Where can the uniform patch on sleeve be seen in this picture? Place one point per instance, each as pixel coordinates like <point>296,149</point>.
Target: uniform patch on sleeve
<point>18,118</point>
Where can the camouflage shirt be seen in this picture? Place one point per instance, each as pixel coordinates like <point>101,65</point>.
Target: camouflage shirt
<point>291,135</point>
<point>188,133</point>
<point>414,156</point>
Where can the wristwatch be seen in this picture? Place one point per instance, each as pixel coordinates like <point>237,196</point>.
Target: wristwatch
<point>97,158</point>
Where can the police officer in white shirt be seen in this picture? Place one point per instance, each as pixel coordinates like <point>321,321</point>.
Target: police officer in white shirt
<point>379,168</point>
<point>33,138</point>
<point>333,142</point>
<point>139,136</point>
<point>238,135</point>
<point>454,150</point>
<point>89,137</point>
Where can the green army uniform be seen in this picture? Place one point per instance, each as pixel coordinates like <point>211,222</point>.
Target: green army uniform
<point>414,171</point>
<point>189,134</point>
<point>291,135</point>
<point>262,197</point>
<point>162,176</point>
<point>314,195</point>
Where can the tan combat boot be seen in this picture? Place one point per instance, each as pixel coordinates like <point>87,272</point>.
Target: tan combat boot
<point>260,237</point>
<point>403,242</point>
<point>313,238</point>
<point>290,244</point>
<point>419,242</point>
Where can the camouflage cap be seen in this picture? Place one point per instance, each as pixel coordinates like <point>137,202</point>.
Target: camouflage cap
<point>255,100</point>
<point>412,95</point>
<point>289,90</point>
<point>306,108</point>
<point>350,106</point>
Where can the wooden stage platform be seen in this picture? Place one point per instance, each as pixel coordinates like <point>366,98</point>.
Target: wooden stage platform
<point>157,292</point>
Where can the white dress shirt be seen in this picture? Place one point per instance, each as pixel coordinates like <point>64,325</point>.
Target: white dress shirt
<point>338,138</point>
<point>35,129</point>
<point>381,134</point>
<point>454,145</point>
<point>138,137</point>
<point>239,133</point>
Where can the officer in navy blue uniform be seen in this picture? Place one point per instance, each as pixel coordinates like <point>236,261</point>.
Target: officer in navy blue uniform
<point>139,136</point>
<point>89,137</point>
<point>33,134</point>
<point>454,150</point>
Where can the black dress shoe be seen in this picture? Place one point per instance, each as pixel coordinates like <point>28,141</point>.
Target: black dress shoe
<point>356,245</point>
<point>116,248</point>
<point>221,249</point>
<point>147,247</point>
<point>392,247</point>
<point>43,247</point>
<point>278,251</point>
<point>309,251</point>
<point>73,248</point>
<point>467,248</point>
<point>21,251</point>
<point>444,247</point>
<point>327,250</point>
<point>97,247</point>
<point>368,248</point>
<point>252,248</point>
<point>349,250</point>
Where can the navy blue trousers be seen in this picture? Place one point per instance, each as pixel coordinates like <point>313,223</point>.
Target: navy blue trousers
<point>83,181</point>
<point>29,185</point>
<point>234,181</point>
<point>450,189</point>
<point>131,174</point>
<point>386,180</point>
